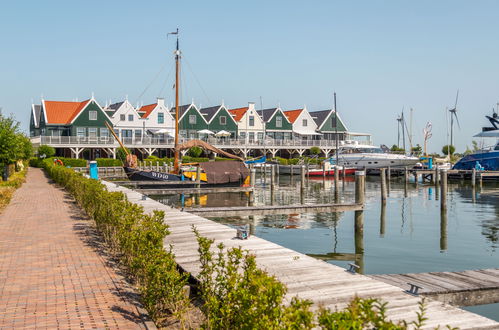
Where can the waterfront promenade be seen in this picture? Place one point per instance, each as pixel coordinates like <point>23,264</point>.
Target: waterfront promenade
<point>53,273</point>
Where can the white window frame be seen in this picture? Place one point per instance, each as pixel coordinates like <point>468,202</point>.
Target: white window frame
<point>224,120</point>
<point>251,121</point>
<point>130,117</point>
<point>162,116</point>
<point>81,131</point>
<point>304,122</point>
<point>278,121</point>
<point>192,119</point>
<point>92,115</point>
<point>122,117</point>
<point>90,130</point>
<point>104,132</point>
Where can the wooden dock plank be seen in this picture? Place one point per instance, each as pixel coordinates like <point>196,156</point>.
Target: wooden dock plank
<point>325,284</point>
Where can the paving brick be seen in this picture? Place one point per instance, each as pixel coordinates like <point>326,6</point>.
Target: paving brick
<point>52,272</point>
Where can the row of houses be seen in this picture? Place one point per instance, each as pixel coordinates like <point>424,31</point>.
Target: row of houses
<point>87,119</point>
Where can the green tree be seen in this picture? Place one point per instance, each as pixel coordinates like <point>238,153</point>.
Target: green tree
<point>315,150</point>
<point>121,154</point>
<point>45,151</point>
<point>475,145</point>
<point>448,149</point>
<point>195,152</point>
<point>417,150</point>
<point>395,149</point>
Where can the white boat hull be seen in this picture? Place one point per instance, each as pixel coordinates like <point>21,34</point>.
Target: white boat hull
<point>376,160</point>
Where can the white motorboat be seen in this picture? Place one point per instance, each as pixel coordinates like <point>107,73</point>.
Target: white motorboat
<point>369,157</point>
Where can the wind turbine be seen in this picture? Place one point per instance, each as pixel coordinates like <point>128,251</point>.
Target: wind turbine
<point>401,124</point>
<point>453,114</point>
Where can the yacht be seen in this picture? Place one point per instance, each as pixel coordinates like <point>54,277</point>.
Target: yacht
<point>486,158</point>
<point>371,157</point>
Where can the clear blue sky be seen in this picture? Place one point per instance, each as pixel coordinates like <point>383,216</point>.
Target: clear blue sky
<point>379,56</point>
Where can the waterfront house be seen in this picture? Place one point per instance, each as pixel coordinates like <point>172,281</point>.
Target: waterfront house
<point>84,119</point>
<point>219,119</point>
<point>304,126</point>
<point>127,122</point>
<point>157,120</point>
<point>326,120</point>
<point>277,125</point>
<point>250,125</point>
<point>190,121</point>
<point>34,121</point>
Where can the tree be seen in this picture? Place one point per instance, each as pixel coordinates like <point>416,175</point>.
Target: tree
<point>448,149</point>
<point>315,150</point>
<point>12,141</point>
<point>417,150</point>
<point>475,145</point>
<point>397,150</point>
<point>121,154</point>
<point>195,152</point>
<point>45,151</point>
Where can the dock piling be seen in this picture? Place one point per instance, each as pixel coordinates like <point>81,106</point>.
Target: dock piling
<point>383,185</point>
<point>473,178</point>
<point>272,176</point>
<point>324,170</point>
<point>443,190</point>
<point>198,176</point>
<point>252,177</point>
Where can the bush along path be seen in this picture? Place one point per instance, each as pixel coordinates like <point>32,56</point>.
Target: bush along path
<point>234,292</point>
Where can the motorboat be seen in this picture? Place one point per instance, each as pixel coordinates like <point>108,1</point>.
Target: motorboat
<point>329,168</point>
<point>371,157</point>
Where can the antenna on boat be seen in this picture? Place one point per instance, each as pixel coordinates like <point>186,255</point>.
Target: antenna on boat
<point>177,69</point>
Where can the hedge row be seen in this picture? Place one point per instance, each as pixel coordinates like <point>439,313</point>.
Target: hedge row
<point>134,236</point>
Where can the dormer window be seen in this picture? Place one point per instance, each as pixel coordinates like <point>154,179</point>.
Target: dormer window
<point>130,117</point>
<point>92,115</point>
<point>278,121</point>
<point>192,119</point>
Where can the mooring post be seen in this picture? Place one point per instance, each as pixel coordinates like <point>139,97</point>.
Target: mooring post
<point>291,170</point>
<point>436,176</point>
<point>324,170</point>
<point>360,182</point>
<point>272,176</point>
<point>443,190</point>
<point>473,178</point>
<point>277,173</point>
<point>157,166</point>
<point>406,174</point>
<point>443,231</point>
<point>359,219</point>
<point>198,177</point>
<point>382,219</point>
<point>252,177</point>
<point>383,185</point>
<point>302,182</point>
<point>336,184</point>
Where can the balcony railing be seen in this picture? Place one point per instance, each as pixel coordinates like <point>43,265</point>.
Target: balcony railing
<point>168,142</point>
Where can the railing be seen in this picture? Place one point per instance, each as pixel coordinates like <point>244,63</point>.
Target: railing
<point>168,142</point>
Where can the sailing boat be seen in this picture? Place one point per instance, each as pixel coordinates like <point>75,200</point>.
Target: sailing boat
<point>220,173</point>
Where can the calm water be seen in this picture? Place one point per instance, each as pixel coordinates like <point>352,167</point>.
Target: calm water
<point>408,235</point>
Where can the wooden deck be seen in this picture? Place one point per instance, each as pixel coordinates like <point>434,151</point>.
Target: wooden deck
<point>323,283</point>
<point>468,288</point>
<point>274,209</point>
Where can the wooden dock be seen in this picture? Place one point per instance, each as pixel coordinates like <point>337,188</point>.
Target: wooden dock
<point>171,191</point>
<point>306,277</point>
<point>274,209</point>
<point>468,288</point>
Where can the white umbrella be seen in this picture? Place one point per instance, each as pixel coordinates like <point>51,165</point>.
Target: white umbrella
<point>161,131</point>
<point>222,133</point>
<point>206,131</point>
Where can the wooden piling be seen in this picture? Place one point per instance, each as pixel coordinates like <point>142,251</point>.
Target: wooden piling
<point>324,170</point>
<point>336,184</point>
<point>443,231</point>
<point>291,172</point>
<point>252,177</point>
<point>406,174</point>
<point>157,166</point>
<point>360,182</point>
<point>198,176</point>
<point>443,190</point>
<point>360,177</point>
<point>272,176</point>
<point>436,180</point>
<point>302,183</point>
<point>382,221</point>
<point>473,178</point>
<point>383,185</point>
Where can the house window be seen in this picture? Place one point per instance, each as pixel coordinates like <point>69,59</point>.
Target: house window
<point>161,118</point>
<point>92,132</point>
<point>304,123</point>
<point>80,131</point>
<point>138,134</point>
<point>251,136</point>
<point>252,120</point>
<point>104,132</point>
<point>43,131</point>
<point>260,135</point>
<point>183,133</point>
<point>56,132</point>
<point>223,120</point>
<point>192,119</point>
<point>278,121</point>
<point>130,117</point>
<point>92,115</point>
<point>117,132</point>
<point>126,133</point>
<point>122,117</point>
<point>242,135</point>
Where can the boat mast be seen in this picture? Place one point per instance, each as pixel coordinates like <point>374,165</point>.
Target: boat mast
<point>336,128</point>
<point>177,69</point>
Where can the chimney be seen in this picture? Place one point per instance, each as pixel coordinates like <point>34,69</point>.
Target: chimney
<point>160,101</point>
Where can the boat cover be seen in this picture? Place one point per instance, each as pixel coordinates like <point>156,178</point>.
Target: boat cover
<point>224,171</point>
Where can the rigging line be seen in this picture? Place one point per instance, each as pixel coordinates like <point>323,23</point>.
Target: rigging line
<point>149,85</point>
<point>167,79</point>
<point>198,82</point>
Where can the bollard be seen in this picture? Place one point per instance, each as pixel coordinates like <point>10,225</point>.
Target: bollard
<point>198,177</point>
<point>360,182</point>
<point>443,190</point>
<point>252,177</point>
<point>383,185</point>
<point>473,178</point>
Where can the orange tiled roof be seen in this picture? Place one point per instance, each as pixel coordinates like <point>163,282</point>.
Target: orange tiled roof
<point>293,114</point>
<point>58,112</point>
<point>238,113</point>
<point>147,109</point>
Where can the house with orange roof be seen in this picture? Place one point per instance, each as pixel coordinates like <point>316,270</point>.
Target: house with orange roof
<point>249,124</point>
<point>304,126</point>
<point>85,119</point>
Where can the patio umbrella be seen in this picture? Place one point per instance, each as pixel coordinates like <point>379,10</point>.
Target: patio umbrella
<point>222,133</point>
<point>206,131</point>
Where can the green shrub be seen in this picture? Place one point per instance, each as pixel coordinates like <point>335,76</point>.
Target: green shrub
<point>108,162</point>
<point>195,152</point>
<point>134,236</point>
<point>315,151</point>
<point>121,153</point>
<point>46,150</point>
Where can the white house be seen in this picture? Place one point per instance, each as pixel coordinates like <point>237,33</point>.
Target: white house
<point>127,122</point>
<point>304,126</point>
<point>249,124</point>
<point>157,119</point>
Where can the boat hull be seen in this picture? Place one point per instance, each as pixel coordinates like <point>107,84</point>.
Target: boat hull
<point>488,160</point>
<point>371,160</point>
<point>348,171</point>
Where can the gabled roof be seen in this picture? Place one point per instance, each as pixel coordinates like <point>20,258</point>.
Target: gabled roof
<point>266,114</point>
<point>147,109</point>
<point>58,112</point>
<point>238,113</point>
<point>209,112</point>
<point>115,106</point>
<point>320,116</point>
<point>292,115</point>
<point>36,110</point>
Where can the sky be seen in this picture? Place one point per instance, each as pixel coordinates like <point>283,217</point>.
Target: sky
<point>378,56</point>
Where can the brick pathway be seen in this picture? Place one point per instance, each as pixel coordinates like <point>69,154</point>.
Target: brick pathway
<point>52,273</point>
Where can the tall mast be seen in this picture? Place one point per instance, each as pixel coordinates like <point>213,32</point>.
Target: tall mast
<point>336,128</point>
<point>176,166</point>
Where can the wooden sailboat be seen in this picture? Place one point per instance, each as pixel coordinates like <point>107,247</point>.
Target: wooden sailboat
<point>221,173</point>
